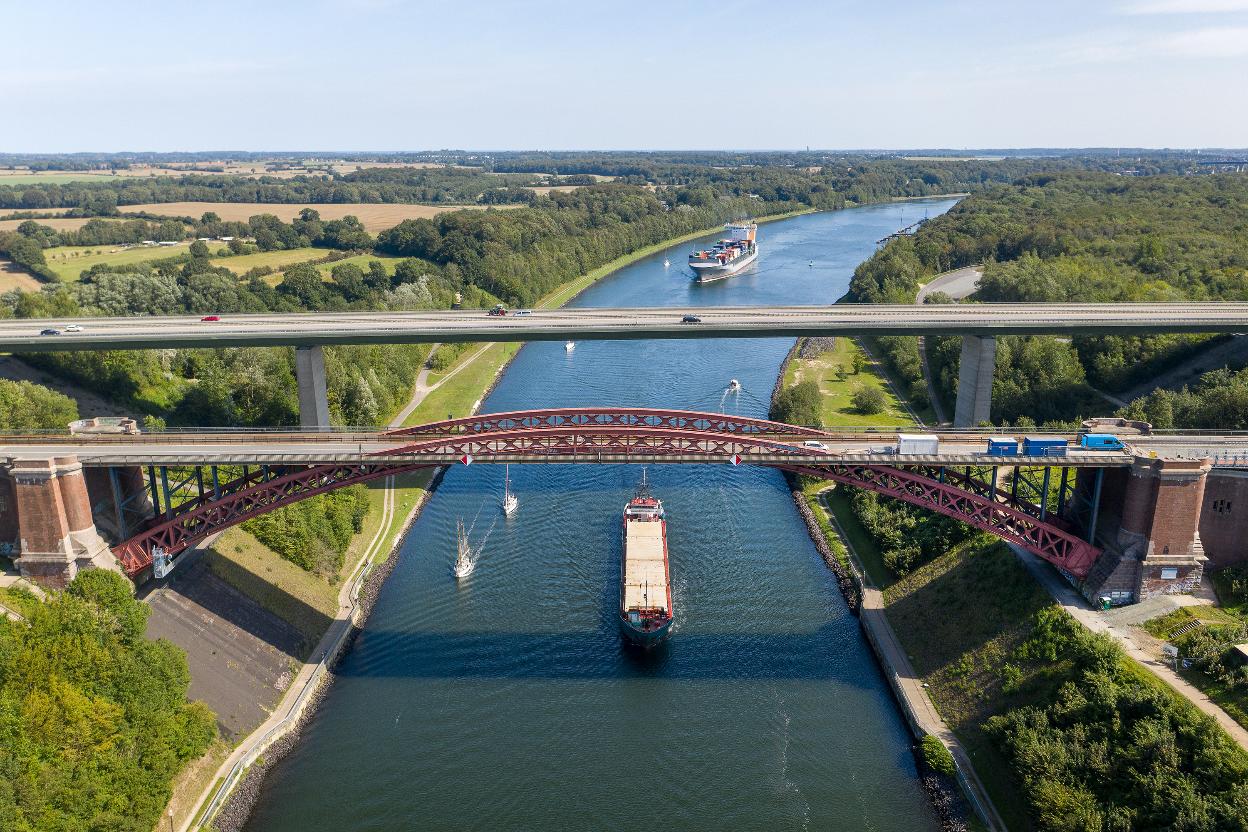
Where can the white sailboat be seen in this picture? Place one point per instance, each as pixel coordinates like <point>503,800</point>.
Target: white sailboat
<point>666,262</point>
<point>510,501</point>
<point>464,562</point>
<point>569,346</point>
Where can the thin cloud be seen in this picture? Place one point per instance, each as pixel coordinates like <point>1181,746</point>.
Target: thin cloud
<point>1228,42</point>
<point>1186,7</point>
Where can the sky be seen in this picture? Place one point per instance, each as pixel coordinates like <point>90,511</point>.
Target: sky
<point>323,75</point>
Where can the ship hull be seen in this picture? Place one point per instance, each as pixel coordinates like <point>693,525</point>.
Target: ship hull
<point>710,273</point>
<point>645,639</point>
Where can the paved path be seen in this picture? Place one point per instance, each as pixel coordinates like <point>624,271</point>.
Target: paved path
<point>1078,607</point>
<point>422,388</point>
<point>957,284</point>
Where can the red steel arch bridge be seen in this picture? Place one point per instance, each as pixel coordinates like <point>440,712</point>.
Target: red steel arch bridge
<point>202,483</point>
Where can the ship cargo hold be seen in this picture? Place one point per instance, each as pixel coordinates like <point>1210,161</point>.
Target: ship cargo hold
<point>728,256</point>
<point>645,585</point>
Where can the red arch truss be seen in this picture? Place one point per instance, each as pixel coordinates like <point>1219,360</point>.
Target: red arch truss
<point>1046,539</point>
<point>606,435</point>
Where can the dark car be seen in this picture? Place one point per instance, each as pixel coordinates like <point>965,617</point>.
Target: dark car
<point>50,332</point>
<point>691,319</point>
<point>497,311</point>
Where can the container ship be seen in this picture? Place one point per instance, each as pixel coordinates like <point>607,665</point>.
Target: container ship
<point>645,584</point>
<point>728,256</point>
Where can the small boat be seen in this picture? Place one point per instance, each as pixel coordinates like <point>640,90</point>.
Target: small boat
<point>510,501</point>
<point>464,562</point>
<point>666,263</point>
<point>811,264</point>
<point>734,386</point>
<point>569,346</point>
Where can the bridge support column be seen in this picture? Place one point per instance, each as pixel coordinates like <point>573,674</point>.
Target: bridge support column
<point>310,375</point>
<point>57,536</point>
<point>974,404</point>
<point>1157,548</point>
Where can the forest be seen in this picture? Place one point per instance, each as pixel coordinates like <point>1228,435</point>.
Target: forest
<point>94,720</point>
<point>1065,237</point>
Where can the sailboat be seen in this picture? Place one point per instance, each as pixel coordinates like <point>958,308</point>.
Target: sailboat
<point>666,262</point>
<point>510,501</point>
<point>569,346</point>
<point>464,563</point>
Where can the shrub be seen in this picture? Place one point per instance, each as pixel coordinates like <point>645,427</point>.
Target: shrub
<point>936,756</point>
<point>869,400</point>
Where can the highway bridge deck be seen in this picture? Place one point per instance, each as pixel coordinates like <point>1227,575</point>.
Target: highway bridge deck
<point>319,328</point>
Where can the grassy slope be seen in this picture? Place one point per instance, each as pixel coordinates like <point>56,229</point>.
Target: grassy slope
<point>959,618</point>
<point>241,263</point>
<point>69,262</point>
<point>838,411</point>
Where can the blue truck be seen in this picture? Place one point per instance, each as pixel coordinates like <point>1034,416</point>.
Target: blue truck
<point>1044,446</point>
<point>1100,442</point>
<point>1004,446</point>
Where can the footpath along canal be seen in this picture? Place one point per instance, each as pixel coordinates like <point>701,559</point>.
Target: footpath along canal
<point>507,701</point>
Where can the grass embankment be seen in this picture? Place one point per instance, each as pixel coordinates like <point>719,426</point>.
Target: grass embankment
<point>1220,629</point>
<point>833,370</point>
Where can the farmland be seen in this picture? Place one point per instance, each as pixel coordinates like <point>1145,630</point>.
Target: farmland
<point>13,277</point>
<point>58,223</point>
<point>276,260</point>
<point>69,262</point>
<point>375,217</point>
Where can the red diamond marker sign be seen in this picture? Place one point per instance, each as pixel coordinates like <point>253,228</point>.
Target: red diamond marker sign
<point>735,459</point>
<point>466,459</point>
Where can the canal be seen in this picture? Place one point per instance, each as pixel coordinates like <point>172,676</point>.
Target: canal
<point>508,701</point>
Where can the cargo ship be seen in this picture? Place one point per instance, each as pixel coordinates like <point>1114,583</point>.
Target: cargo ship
<point>728,256</point>
<point>645,584</point>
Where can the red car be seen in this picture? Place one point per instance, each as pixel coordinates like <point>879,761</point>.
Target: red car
<point>497,311</point>
<point>211,318</point>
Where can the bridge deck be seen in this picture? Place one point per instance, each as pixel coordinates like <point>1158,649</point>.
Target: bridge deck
<point>306,329</point>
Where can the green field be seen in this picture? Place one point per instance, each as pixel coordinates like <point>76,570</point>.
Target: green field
<point>69,262</point>
<point>838,409</point>
<point>276,260</point>
<point>362,260</point>
<point>53,178</point>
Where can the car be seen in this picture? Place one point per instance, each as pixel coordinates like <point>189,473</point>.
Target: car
<point>523,312</point>
<point>814,445</point>
<point>210,319</point>
<point>50,332</point>
<point>73,328</point>
<point>691,319</point>
<point>497,311</point>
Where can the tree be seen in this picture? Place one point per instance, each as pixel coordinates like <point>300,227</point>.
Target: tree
<point>303,282</point>
<point>25,406</point>
<point>869,400</point>
<point>859,361</point>
<point>799,405</point>
<point>199,250</point>
<point>349,280</point>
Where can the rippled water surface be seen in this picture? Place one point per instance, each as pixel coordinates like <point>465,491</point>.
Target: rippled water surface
<point>508,701</point>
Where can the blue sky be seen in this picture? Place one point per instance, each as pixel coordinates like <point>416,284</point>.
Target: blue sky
<point>550,74</point>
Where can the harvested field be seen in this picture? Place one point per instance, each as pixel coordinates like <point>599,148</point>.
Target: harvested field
<point>56,177</point>
<point>13,277</point>
<point>375,217</point>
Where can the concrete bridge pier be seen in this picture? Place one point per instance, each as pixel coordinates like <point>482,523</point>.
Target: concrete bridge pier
<point>310,376</point>
<point>56,533</point>
<point>1157,549</point>
<point>974,404</point>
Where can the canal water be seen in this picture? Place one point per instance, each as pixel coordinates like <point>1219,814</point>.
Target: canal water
<point>507,701</point>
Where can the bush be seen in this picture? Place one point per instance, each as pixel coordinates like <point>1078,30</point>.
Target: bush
<point>869,400</point>
<point>314,533</point>
<point>936,756</point>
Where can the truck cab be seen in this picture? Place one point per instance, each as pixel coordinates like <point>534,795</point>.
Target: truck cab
<point>1100,442</point>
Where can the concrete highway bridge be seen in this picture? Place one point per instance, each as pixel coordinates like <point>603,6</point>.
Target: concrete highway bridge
<point>1123,523</point>
<point>978,324</point>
